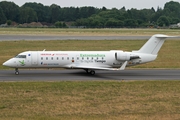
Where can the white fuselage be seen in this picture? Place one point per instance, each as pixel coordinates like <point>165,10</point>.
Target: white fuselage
<point>70,59</point>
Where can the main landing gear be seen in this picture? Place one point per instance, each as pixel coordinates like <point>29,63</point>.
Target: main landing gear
<point>16,71</point>
<point>92,72</point>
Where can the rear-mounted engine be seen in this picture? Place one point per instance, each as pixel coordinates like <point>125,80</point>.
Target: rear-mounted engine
<point>125,56</point>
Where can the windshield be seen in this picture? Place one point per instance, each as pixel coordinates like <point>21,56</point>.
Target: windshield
<point>20,56</point>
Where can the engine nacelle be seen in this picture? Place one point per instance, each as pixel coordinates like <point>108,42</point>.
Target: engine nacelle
<point>122,56</point>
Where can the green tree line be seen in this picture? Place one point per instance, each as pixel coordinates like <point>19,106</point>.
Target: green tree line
<point>90,16</point>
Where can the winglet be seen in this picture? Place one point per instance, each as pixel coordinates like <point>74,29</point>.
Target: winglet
<point>123,66</point>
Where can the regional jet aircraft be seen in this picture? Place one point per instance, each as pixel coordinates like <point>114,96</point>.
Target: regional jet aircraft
<point>88,60</point>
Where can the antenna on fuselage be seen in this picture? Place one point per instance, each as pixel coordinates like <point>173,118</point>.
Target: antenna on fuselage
<point>44,50</point>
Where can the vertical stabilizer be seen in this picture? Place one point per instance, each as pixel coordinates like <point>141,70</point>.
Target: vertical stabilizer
<point>153,45</point>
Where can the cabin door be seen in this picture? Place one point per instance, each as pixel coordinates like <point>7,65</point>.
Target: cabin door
<point>34,58</point>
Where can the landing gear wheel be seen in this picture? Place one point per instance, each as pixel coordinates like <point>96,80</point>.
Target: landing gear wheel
<point>16,71</point>
<point>87,71</point>
<point>92,72</point>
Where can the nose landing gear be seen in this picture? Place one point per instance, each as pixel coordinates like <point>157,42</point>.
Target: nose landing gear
<point>16,71</point>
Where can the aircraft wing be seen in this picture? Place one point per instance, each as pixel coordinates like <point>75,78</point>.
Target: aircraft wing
<point>74,66</point>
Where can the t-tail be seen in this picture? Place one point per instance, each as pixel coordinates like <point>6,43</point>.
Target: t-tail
<point>154,44</point>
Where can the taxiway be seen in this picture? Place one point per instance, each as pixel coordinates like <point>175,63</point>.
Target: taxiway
<point>74,75</point>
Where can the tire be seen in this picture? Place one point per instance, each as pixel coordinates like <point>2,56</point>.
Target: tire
<point>16,73</point>
<point>92,72</point>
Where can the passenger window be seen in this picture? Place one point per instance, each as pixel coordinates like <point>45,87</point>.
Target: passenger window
<point>46,58</point>
<point>51,58</point>
<point>62,58</point>
<point>41,58</point>
<point>57,58</point>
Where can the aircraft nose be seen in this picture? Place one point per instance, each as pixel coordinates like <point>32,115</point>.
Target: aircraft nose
<point>7,63</point>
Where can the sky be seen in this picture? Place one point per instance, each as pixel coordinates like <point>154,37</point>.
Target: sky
<point>138,4</point>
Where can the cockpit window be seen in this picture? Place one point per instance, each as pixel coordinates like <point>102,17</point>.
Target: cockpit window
<point>20,56</point>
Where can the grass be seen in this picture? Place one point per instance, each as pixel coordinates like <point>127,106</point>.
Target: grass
<point>168,55</point>
<point>90,100</point>
<point>132,100</point>
<point>86,32</point>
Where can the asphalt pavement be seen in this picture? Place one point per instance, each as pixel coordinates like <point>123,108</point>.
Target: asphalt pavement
<point>78,74</point>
